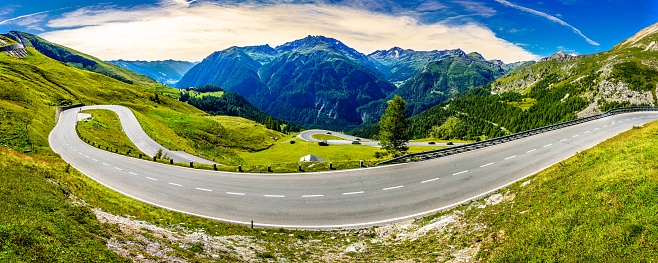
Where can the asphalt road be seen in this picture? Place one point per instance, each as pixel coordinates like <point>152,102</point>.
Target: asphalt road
<point>142,141</point>
<point>308,136</point>
<point>347,198</point>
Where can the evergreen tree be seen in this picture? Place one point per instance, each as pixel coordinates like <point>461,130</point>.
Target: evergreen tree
<point>393,127</point>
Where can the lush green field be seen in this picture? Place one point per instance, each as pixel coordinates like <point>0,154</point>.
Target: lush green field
<point>39,222</point>
<point>102,130</point>
<point>327,137</point>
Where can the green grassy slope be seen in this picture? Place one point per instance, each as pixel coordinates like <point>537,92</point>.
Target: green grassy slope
<point>80,60</point>
<point>104,129</point>
<point>38,222</point>
<point>30,87</point>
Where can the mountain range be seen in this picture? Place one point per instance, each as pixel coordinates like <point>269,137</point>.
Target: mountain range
<point>319,82</point>
<point>167,72</point>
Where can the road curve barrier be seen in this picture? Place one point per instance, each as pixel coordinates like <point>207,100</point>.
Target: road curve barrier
<point>481,144</point>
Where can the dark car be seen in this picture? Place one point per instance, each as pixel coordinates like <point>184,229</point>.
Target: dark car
<point>358,139</point>
<point>431,143</point>
<point>450,143</point>
<point>356,142</point>
<point>328,132</point>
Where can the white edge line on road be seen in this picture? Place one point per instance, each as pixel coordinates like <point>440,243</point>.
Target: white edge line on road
<point>355,225</point>
<point>232,193</point>
<point>394,187</point>
<point>485,165</point>
<point>460,172</point>
<point>203,189</point>
<point>306,196</point>
<point>427,181</point>
<point>510,157</point>
<point>354,193</point>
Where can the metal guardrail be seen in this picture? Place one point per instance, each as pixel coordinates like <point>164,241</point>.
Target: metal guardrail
<point>515,136</point>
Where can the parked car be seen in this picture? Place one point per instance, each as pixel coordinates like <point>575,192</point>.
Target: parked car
<point>450,143</point>
<point>431,143</point>
<point>356,142</point>
<point>358,139</point>
<point>328,132</point>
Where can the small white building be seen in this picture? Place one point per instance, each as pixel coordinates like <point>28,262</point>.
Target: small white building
<point>311,158</point>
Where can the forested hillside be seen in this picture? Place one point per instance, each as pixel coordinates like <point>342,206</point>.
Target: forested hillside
<point>217,101</point>
<point>545,93</point>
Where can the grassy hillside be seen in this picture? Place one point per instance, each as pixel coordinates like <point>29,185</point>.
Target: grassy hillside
<point>40,221</point>
<point>30,87</point>
<point>80,60</point>
<point>102,130</point>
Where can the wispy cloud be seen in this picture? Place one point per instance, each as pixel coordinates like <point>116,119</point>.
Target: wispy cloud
<point>193,32</point>
<point>29,15</point>
<point>549,17</point>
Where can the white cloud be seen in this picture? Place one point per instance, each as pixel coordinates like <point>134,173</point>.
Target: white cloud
<point>28,16</point>
<point>549,17</point>
<point>193,32</point>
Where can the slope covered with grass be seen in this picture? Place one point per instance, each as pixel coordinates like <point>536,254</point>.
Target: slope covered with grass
<point>80,60</point>
<point>39,222</point>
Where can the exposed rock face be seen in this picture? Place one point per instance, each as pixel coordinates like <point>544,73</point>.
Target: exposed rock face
<point>17,50</point>
<point>560,54</point>
<point>645,39</point>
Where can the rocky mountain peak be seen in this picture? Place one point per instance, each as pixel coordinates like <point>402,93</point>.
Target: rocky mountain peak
<point>559,54</point>
<point>646,39</point>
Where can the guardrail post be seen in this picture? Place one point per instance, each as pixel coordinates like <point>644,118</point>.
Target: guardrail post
<point>154,158</point>
<point>140,156</point>
<point>299,169</point>
<point>171,161</point>
<point>331,165</point>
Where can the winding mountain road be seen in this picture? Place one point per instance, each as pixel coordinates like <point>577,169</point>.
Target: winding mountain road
<point>336,199</point>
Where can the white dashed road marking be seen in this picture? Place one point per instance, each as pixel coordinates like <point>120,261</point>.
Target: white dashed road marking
<point>232,193</point>
<point>106,164</point>
<point>203,189</point>
<point>117,168</point>
<point>460,172</point>
<point>547,145</point>
<point>175,184</point>
<point>275,196</point>
<point>394,187</point>
<point>151,178</point>
<point>563,140</point>
<point>510,157</point>
<point>427,181</point>
<point>305,196</point>
<point>485,165</point>
<point>132,173</point>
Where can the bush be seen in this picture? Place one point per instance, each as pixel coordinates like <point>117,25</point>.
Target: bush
<point>323,143</point>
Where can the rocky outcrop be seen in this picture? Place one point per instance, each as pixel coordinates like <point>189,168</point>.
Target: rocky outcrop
<point>560,54</point>
<point>17,50</point>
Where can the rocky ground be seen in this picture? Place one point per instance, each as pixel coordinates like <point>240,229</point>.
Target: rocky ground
<point>144,242</point>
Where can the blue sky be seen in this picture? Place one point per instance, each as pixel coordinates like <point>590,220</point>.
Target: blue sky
<point>510,30</point>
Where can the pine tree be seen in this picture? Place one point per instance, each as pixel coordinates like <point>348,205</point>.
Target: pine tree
<point>393,127</point>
